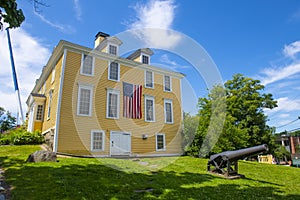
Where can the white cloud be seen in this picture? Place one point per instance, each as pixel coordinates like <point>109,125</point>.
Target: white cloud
<point>171,63</point>
<point>285,104</point>
<point>77,9</point>
<point>271,75</point>
<point>61,27</point>
<point>156,14</point>
<point>292,49</point>
<point>29,56</point>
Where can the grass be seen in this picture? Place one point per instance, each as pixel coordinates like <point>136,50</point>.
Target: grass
<point>157,178</point>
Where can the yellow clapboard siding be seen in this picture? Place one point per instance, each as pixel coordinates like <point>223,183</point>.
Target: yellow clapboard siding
<point>74,134</point>
<point>50,122</point>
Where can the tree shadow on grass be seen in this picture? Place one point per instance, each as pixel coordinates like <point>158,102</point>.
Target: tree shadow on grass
<point>97,181</point>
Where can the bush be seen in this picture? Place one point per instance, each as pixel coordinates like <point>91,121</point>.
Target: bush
<point>21,137</point>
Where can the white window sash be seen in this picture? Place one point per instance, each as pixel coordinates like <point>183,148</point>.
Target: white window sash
<point>170,78</point>
<point>86,87</point>
<point>109,70</point>
<point>82,66</point>
<point>164,141</point>
<point>168,101</point>
<point>92,140</point>
<point>151,98</point>
<point>152,79</point>
<point>116,92</point>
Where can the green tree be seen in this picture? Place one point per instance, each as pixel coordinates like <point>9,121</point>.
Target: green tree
<point>12,15</point>
<point>7,121</point>
<point>244,120</point>
<point>190,126</point>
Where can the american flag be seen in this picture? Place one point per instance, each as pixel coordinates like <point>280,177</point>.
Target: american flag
<point>132,101</point>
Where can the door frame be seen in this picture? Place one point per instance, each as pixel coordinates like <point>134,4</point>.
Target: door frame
<point>119,132</point>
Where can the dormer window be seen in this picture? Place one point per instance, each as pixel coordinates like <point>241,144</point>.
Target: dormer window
<point>107,44</point>
<point>141,55</point>
<point>145,59</point>
<point>112,49</point>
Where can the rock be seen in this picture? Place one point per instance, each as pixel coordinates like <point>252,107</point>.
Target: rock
<point>42,156</point>
<point>2,189</point>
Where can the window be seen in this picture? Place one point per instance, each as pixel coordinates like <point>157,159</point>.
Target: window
<point>145,59</point>
<point>87,65</point>
<point>53,75</point>
<point>39,112</point>
<point>149,109</point>
<point>167,83</point>
<point>49,103</point>
<point>84,103</point>
<point>114,71</point>
<point>112,49</point>
<point>149,80</point>
<point>97,140</point>
<point>168,111</point>
<point>160,142</point>
<point>112,104</point>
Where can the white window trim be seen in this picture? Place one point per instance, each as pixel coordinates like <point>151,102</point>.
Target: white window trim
<point>151,80</point>
<point>111,44</point>
<point>148,97</point>
<point>141,58</point>
<point>49,104</point>
<point>91,88</point>
<point>165,110</point>
<point>92,140</point>
<point>81,66</point>
<point>164,141</point>
<point>53,75</point>
<point>109,72</point>
<point>170,83</point>
<point>117,92</point>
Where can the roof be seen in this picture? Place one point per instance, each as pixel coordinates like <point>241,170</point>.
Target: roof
<point>138,52</point>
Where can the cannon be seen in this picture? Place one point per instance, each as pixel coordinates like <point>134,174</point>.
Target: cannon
<point>226,163</point>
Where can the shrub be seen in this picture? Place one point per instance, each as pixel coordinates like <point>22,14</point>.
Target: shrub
<point>21,137</point>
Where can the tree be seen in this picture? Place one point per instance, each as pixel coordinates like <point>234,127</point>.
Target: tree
<point>190,126</point>
<point>245,121</point>
<point>13,16</point>
<point>7,121</point>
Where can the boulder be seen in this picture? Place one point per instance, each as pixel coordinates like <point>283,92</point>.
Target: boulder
<point>42,156</point>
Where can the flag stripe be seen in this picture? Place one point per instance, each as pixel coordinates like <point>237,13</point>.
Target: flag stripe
<point>132,97</point>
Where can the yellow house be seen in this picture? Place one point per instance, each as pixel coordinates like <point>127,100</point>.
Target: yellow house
<point>94,102</point>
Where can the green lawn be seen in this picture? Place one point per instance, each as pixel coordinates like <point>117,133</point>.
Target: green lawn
<point>185,178</point>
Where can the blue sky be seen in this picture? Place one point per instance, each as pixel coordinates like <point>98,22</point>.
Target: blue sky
<point>260,39</point>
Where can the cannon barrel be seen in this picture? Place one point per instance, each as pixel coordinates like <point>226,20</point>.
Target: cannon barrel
<point>240,154</point>
<point>226,163</point>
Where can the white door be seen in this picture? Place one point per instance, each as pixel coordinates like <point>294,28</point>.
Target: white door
<point>120,143</point>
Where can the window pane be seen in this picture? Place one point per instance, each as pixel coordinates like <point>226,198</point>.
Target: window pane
<point>160,141</point>
<point>114,71</point>
<point>113,105</point>
<point>167,83</point>
<point>87,67</point>
<point>97,141</point>
<point>84,102</point>
<point>49,104</point>
<point>169,112</point>
<point>149,110</point>
<point>145,59</point>
<point>39,112</point>
<point>112,50</point>
<point>149,78</point>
